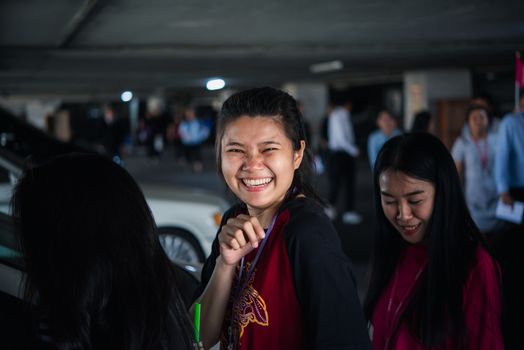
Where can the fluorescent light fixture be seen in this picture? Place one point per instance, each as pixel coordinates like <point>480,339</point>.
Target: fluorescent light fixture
<point>126,96</point>
<point>215,84</point>
<point>326,66</point>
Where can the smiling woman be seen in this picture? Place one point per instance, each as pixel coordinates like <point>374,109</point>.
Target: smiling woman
<point>433,283</point>
<point>277,277</point>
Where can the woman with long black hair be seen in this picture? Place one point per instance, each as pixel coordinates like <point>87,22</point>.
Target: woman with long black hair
<point>95,268</point>
<point>433,283</point>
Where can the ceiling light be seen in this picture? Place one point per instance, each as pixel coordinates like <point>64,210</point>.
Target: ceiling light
<point>215,84</point>
<point>326,66</point>
<point>126,96</point>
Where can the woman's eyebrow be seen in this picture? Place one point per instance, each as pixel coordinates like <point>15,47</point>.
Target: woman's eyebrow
<point>234,143</point>
<point>414,193</point>
<point>269,143</point>
<point>384,193</point>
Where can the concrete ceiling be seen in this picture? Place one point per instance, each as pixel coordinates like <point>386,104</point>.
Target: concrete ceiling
<point>99,47</point>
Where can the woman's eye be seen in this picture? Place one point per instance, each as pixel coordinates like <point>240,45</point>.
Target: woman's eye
<point>269,149</point>
<point>389,202</point>
<point>415,202</point>
<point>234,150</point>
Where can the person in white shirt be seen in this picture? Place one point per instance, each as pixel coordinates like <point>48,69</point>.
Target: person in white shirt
<point>344,151</point>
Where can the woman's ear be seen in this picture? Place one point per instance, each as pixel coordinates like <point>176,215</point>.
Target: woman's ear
<point>299,154</point>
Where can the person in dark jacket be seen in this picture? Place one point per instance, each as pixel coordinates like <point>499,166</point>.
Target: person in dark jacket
<point>277,277</point>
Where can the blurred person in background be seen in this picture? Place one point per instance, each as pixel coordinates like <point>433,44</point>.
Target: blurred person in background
<point>95,267</point>
<point>387,128</point>
<point>507,246</point>
<point>423,122</point>
<point>193,132</point>
<point>115,133</point>
<point>154,125</point>
<point>485,100</point>
<point>474,155</point>
<point>323,158</point>
<point>173,136</point>
<point>343,155</point>
<point>509,171</point>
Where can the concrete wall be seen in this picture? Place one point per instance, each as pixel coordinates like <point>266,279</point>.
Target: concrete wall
<point>423,88</point>
<point>314,98</point>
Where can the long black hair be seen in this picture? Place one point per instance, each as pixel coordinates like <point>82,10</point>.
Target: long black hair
<point>280,106</point>
<point>94,263</point>
<point>435,312</point>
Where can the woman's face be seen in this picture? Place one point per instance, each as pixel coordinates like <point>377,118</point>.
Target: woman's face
<point>478,122</point>
<point>258,161</point>
<point>407,203</point>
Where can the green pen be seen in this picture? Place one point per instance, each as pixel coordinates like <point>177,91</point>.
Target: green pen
<point>197,323</point>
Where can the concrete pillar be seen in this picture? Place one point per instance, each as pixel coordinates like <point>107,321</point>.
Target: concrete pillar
<point>133,119</point>
<point>422,89</point>
<point>314,98</point>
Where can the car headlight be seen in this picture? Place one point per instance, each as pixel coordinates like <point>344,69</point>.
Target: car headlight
<point>217,218</point>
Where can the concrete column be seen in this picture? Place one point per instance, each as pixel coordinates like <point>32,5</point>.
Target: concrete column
<point>314,98</point>
<point>422,89</point>
<point>133,119</point>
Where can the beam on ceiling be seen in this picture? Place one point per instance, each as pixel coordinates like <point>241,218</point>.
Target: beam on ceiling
<point>76,23</point>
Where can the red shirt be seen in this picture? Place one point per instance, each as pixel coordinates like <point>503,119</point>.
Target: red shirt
<point>302,293</point>
<point>267,314</point>
<point>482,304</point>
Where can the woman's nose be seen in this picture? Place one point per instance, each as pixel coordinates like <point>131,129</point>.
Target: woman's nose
<point>404,212</point>
<point>253,160</point>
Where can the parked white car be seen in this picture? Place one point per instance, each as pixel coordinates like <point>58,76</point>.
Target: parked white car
<point>187,219</point>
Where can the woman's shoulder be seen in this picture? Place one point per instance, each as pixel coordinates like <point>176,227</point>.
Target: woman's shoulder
<point>459,148</point>
<point>460,144</point>
<point>306,220</point>
<point>463,140</point>
<point>374,135</point>
<point>509,122</point>
<point>484,279</point>
<point>309,235</point>
<point>484,266</point>
<point>483,258</point>
<point>303,208</point>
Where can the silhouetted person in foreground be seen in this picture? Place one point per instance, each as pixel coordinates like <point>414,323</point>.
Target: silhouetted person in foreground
<point>95,267</point>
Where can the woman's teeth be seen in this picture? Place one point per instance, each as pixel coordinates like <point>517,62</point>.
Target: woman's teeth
<point>257,182</point>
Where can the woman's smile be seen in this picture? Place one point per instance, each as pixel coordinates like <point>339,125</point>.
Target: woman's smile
<point>256,185</point>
